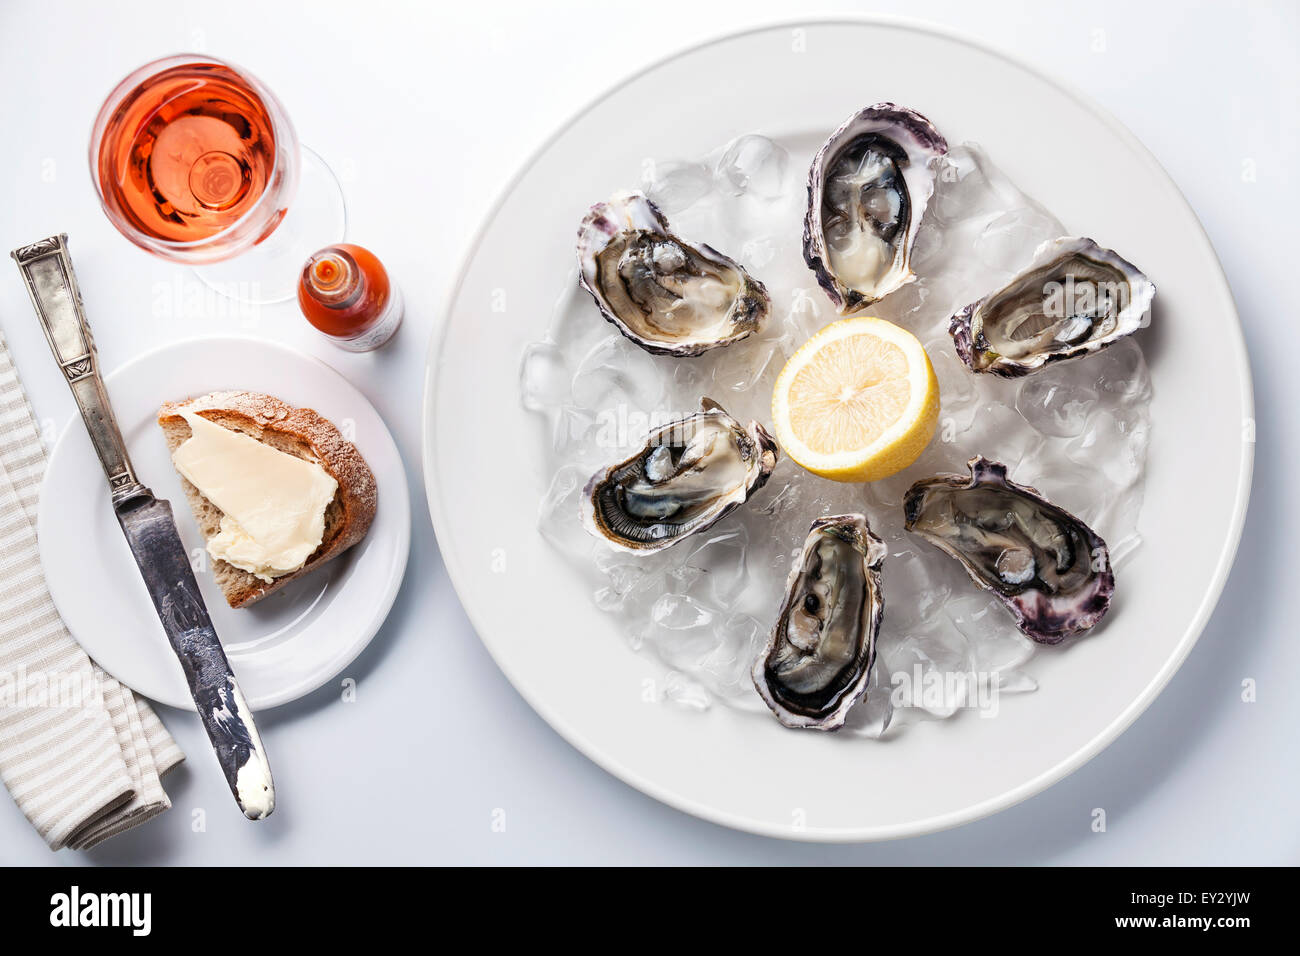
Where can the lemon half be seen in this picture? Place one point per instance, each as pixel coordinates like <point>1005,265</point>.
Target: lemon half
<point>857,402</point>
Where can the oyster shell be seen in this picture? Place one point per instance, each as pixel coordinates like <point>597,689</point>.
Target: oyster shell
<point>818,658</point>
<point>1049,568</point>
<point>667,296</point>
<point>687,476</point>
<point>1073,299</point>
<point>867,190</point>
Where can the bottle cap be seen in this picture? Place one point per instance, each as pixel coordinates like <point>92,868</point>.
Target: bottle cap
<point>332,278</point>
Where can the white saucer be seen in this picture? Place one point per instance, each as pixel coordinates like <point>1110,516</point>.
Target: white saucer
<point>281,648</point>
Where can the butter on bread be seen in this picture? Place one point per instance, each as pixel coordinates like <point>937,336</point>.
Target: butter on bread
<point>301,433</point>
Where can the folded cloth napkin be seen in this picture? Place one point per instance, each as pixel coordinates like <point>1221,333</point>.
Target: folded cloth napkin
<point>80,753</point>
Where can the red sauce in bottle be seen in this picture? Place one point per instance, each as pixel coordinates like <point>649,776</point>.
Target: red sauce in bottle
<point>346,293</point>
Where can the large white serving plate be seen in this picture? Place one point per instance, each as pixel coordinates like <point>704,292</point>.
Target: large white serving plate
<point>484,474</point>
<point>280,648</point>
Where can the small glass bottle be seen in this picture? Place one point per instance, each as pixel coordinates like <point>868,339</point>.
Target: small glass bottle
<point>345,292</point>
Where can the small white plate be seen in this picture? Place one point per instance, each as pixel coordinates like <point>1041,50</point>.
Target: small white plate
<point>280,648</point>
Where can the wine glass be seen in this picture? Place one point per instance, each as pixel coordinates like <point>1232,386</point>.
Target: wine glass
<point>195,160</point>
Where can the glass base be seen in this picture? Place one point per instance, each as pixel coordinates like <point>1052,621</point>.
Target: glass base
<point>269,271</point>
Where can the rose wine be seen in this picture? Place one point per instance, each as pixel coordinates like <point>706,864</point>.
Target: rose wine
<point>345,293</point>
<point>187,153</point>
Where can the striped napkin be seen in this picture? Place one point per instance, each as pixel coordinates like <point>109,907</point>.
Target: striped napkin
<point>80,753</point>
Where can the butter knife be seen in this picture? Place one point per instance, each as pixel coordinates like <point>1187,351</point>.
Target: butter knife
<point>151,533</point>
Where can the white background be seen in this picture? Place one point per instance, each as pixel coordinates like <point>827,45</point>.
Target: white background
<point>425,111</point>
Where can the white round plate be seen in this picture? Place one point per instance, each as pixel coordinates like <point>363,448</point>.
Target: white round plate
<point>484,477</point>
<point>280,648</point>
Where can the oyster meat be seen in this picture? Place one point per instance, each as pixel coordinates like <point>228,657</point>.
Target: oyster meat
<point>1073,299</point>
<point>667,296</point>
<point>867,190</point>
<point>818,658</point>
<point>687,476</point>
<point>1049,568</point>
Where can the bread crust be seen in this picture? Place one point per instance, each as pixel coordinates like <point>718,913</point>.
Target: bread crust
<point>297,431</point>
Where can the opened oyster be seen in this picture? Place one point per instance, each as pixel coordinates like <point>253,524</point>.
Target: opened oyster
<point>1046,565</point>
<point>668,297</point>
<point>689,474</point>
<point>867,190</point>
<point>1074,299</point>
<point>818,658</point>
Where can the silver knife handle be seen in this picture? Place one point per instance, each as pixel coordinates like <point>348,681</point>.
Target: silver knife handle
<point>52,285</point>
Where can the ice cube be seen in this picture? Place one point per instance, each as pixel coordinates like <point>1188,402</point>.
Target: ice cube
<point>903,306</point>
<point>872,714</point>
<point>575,324</point>
<point>998,432</point>
<point>1113,444</point>
<point>685,691</point>
<point>1007,242</point>
<point>783,500</point>
<point>683,632</point>
<point>684,576</point>
<point>886,494</point>
<point>961,188</point>
<point>927,249</point>
<point>618,374</point>
<point>944,455</point>
<point>728,664</point>
<point>676,186</point>
<point>755,165</point>
<point>623,570</point>
<point>718,555</point>
<point>559,517</point>
<point>679,612</point>
<point>574,436</point>
<point>1121,371</point>
<point>1067,486</point>
<point>1116,522</point>
<point>930,670</point>
<point>1055,409</point>
<point>756,253</point>
<point>957,392</point>
<point>746,368</point>
<point>544,377</point>
<point>688,377</point>
<point>916,590</point>
<point>608,599</point>
<point>808,311</point>
<point>1016,682</point>
<point>994,643</point>
<point>646,591</point>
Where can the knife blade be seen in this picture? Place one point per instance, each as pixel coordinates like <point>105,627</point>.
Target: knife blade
<point>150,531</point>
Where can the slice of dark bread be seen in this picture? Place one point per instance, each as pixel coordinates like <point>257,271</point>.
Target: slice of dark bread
<point>300,432</point>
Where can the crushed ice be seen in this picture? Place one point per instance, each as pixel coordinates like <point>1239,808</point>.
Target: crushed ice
<point>1077,431</point>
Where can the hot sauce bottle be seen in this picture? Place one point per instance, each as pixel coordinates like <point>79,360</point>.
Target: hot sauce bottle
<point>345,292</point>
